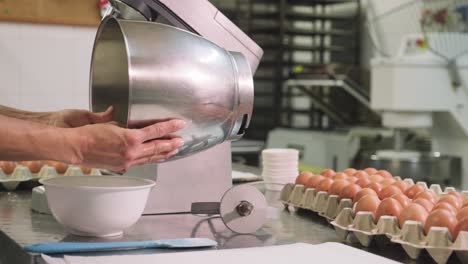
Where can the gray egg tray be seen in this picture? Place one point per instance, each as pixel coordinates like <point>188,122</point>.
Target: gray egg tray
<point>22,174</point>
<point>340,214</point>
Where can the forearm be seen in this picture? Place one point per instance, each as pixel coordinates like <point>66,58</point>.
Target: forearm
<point>26,140</point>
<point>40,117</point>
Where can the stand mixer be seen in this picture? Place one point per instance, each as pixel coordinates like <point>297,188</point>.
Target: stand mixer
<point>160,59</point>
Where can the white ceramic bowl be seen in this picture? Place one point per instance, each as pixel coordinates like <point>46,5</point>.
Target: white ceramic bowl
<point>97,205</point>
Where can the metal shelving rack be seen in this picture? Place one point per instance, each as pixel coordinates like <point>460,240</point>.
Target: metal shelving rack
<point>302,39</point>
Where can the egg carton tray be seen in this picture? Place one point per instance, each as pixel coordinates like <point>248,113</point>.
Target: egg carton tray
<point>340,214</point>
<point>23,174</point>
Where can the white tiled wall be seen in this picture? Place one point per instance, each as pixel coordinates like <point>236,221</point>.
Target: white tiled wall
<point>44,67</point>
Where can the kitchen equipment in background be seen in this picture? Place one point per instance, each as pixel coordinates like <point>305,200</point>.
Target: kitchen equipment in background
<point>97,206</point>
<point>279,167</point>
<point>193,79</point>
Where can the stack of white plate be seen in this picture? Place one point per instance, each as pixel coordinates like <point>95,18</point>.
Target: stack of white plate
<point>280,166</point>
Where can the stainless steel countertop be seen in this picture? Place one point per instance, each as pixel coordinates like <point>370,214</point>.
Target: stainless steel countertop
<point>20,226</point>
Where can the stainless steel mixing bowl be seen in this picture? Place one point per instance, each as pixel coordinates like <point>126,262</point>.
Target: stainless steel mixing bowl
<point>152,72</point>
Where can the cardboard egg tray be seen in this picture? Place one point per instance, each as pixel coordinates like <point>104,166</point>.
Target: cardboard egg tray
<point>411,237</point>
<point>23,174</point>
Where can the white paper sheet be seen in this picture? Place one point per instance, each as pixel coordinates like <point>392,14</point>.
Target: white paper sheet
<point>330,253</point>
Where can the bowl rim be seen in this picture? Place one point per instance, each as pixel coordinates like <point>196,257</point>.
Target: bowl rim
<point>150,183</point>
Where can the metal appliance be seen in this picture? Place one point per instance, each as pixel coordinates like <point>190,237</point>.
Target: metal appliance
<point>198,59</point>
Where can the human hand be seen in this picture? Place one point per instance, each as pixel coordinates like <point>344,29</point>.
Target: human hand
<point>75,118</point>
<point>111,147</point>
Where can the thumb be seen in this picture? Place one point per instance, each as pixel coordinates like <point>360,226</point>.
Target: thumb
<point>102,117</point>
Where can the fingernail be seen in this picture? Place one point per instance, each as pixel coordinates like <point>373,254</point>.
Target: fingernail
<point>179,142</point>
<point>180,123</point>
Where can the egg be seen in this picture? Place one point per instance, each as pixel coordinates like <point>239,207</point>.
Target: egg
<point>87,170</point>
<point>350,171</point>
<point>461,226</point>
<point>370,171</point>
<point>445,206</point>
<point>363,182</point>
<point>388,191</point>
<point>324,185</point>
<point>402,185</point>
<point>413,190</point>
<point>428,205</point>
<point>328,173</point>
<point>60,167</point>
<point>460,196</point>
<point>361,174</point>
<point>313,181</point>
<point>402,199</point>
<point>441,218</point>
<point>413,212</point>
<point>350,191</point>
<point>7,166</point>
<point>463,213</point>
<point>465,204</point>
<point>352,179</point>
<point>451,199</point>
<point>428,195</point>
<point>375,186</point>
<point>387,182</point>
<point>303,177</point>
<point>337,186</point>
<point>384,173</point>
<point>340,176</point>
<point>388,206</point>
<point>376,178</point>
<point>364,192</point>
<point>33,166</point>
<point>368,203</point>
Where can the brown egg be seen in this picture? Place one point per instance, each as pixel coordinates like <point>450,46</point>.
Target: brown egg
<point>387,182</point>
<point>361,174</point>
<point>324,185</point>
<point>352,179</point>
<point>384,173</point>
<point>428,205</point>
<point>375,186</point>
<point>413,212</point>
<point>350,191</point>
<point>313,181</point>
<point>460,196</point>
<point>363,182</point>
<point>402,199</point>
<point>402,185</point>
<point>465,204</point>
<point>441,218</point>
<point>364,192</point>
<point>60,167</point>
<point>376,178</point>
<point>33,166</point>
<point>7,166</point>
<point>413,190</point>
<point>368,203</point>
<point>337,186</point>
<point>303,177</point>
<point>428,195</point>
<point>350,171</point>
<point>328,173</point>
<point>370,171</point>
<point>452,199</point>
<point>340,176</point>
<point>463,213</point>
<point>461,226</point>
<point>389,191</point>
<point>388,206</point>
<point>87,170</point>
<point>446,206</point>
